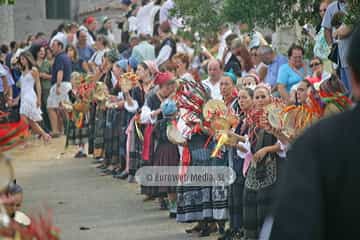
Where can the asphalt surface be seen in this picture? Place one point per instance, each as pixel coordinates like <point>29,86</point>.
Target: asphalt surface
<point>87,206</point>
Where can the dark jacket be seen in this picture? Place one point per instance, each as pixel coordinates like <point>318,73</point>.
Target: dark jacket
<point>319,194</point>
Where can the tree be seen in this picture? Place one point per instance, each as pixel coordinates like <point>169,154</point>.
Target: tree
<point>271,13</point>
<point>202,16</point>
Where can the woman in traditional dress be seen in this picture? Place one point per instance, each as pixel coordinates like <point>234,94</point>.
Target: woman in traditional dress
<point>98,113</point>
<point>245,101</point>
<point>77,124</point>
<point>146,72</point>
<point>262,174</point>
<point>125,103</point>
<point>166,154</point>
<point>31,100</point>
<point>227,156</point>
<point>150,114</point>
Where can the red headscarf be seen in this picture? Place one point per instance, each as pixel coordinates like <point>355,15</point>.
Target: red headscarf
<point>163,77</point>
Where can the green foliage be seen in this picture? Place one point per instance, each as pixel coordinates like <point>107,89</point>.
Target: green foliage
<point>353,16</point>
<point>270,13</point>
<point>202,16</point>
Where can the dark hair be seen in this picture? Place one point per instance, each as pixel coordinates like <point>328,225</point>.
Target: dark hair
<point>30,59</point>
<point>75,51</point>
<point>14,188</point>
<point>317,58</point>
<point>230,38</point>
<point>103,40</point>
<point>37,50</point>
<point>337,19</point>
<point>60,43</point>
<point>354,54</point>
<point>184,58</point>
<point>249,91</point>
<point>308,83</point>
<point>39,34</point>
<point>245,55</point>
<point>13,44</point>
<point>4,49</point>
<point>295,47</point>
<point>144,66</point>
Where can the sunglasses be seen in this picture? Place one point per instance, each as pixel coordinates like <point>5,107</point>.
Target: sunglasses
<point>323,10</point>
<point>315,64</point>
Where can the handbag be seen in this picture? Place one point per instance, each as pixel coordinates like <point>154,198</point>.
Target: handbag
<point>334,53</point>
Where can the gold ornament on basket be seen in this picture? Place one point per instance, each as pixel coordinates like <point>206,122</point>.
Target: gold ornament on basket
<point>101,93</point>
<point>67,106</point>
<point>214,108</point>
<point>128,81</point>
<point>81,107</point>
<point>274,115</point>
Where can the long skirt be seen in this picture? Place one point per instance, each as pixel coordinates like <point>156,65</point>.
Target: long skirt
<point>99,133</point>
<point>197,203</point>
<point>136,147</point>
<point>259,193</point>
<point>91,128</point>
<point>166,154</point>
<point>112,137</point>
<point>76,136</point>
<point>236,196</point>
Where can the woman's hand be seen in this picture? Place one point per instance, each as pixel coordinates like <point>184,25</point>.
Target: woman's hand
<point>121,104</point>
<point>38,102</point>
<point>156,113</point>
<point>260,154</point>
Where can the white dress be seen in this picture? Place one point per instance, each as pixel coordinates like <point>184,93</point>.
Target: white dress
<point>28,98</point>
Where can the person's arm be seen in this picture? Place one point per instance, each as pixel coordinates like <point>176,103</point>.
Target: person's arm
<point>148,116</point>
<point>282,82</point>
<point>261,153</point>
<point>5,84</point>
<point>326,24</point>
<point>283,93</point>
<point>328,36</point>
<point>343,31</point>
<point>300,199</point>
<point>45,76</point>
<point>164,55</point>
<point>130,105</point>
<point>36,75</point>
<point>59,78</point>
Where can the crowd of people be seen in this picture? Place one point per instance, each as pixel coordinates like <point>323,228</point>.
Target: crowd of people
<point>121,99</point>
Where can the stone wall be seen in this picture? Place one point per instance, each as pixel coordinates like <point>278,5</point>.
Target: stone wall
<point>29,17</point>
<point>6,24</point>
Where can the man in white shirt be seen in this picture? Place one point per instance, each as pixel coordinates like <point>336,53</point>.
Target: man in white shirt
<point>213,81</point>
<point>145,18</point>
<point>175,23</point>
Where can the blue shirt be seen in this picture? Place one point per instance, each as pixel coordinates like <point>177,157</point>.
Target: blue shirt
<point>85,53</point>
<point>273,70</point>
<point>62,63</point>
<point>288,77</point>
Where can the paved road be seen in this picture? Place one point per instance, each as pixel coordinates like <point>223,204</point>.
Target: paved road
<point>111,209</point>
